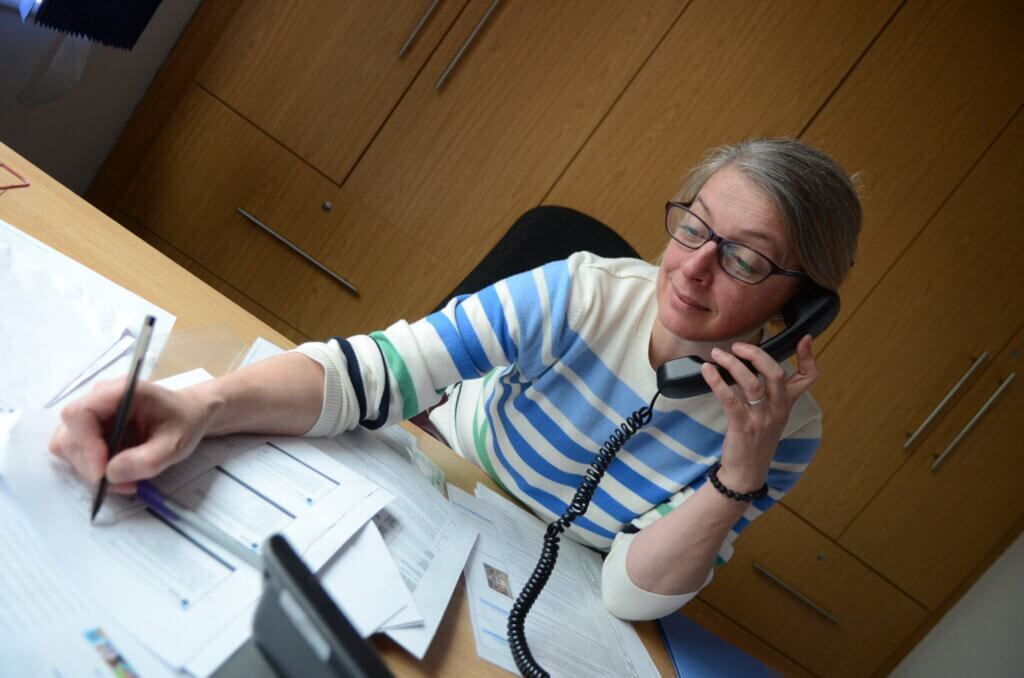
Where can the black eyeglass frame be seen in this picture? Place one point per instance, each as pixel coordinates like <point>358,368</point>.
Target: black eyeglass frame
<point>719,240</point>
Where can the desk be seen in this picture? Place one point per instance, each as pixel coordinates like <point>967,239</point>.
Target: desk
<point>50,212</point>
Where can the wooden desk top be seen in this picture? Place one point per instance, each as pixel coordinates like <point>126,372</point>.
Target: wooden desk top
<point>55,215</point>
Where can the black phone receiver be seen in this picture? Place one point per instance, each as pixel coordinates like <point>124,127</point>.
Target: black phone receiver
<point>810,311</point>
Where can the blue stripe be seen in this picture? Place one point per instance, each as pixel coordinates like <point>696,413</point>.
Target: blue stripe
<point>782,480</point>
<point>545,499</point>
<point>470,341</point>
<point>556,277</point>
<point>530,315</point>
<point>495,313</point>
<point>449,336</point>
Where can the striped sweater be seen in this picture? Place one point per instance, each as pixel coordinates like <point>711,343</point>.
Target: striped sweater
<point>552,361</point>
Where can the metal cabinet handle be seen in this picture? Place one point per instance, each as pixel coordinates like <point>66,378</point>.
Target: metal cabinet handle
<point>945,401</point>
<point>323,269</point>
<point>458,55</point>
<point>799,596</point>
<point>974,420</point>
<point>416,31</point>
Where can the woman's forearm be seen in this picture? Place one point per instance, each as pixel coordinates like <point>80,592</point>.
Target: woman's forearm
<point>674,554</point>
<point>282,395</point>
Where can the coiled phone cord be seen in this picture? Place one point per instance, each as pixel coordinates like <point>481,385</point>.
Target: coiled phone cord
<point>525,662</point>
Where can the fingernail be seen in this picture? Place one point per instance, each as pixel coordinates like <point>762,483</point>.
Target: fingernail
<point>716,352</point>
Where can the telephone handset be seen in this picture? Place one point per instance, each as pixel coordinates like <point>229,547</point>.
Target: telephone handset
<point>810,311</point>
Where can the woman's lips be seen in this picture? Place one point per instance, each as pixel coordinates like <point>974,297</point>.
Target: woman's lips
<point>690,302</point>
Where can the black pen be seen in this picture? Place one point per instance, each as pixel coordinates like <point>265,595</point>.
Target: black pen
<point>124,408</point>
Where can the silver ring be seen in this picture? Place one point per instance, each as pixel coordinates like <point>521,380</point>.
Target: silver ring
<point>760,401</point>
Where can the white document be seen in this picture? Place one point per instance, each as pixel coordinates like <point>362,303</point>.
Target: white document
<point>427,538</point>
<point>62,323</point>
<point>261,349</point>
<point>173,587</point>
<point>364,581</point>
<point>47,627</point>
<point>568,630</point>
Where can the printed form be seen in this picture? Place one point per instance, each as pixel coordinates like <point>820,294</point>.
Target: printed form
<point>568,630</point>
<point>175,589</point>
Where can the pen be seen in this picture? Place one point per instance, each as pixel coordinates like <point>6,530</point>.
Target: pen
<point>174,511</point>
<point>124,408</point>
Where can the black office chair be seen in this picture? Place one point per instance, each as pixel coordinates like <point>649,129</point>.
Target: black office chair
<point>543,234</point>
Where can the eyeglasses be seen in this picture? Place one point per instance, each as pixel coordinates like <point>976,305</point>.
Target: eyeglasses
<point>739,261</point>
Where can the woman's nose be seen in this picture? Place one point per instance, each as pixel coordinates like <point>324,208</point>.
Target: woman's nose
<point>702,261</point>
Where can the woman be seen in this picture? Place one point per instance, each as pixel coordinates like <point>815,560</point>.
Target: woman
<point>545,364</point>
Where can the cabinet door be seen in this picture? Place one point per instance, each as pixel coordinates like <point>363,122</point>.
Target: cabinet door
<point>915,116</point>
<point>792,587</point>
<point>935,521</point>
<point>209,161</point>
<point>453,167</point>
<point>954,295</point>
<point>321,76</point>
<point>726,72</point>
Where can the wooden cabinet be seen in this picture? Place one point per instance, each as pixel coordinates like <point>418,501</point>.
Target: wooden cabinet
<point>955,294</point>
<point>934,521</point>
<point>320,76</point>
<point>792,587</point>
<point>454,167</point>
<point>209,162</point>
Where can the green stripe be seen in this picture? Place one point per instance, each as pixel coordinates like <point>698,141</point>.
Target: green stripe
<point>410,403</point>
<point>663,509</point>
<point>480,439</point>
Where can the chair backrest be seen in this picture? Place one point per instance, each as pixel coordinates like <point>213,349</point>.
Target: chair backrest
<point>543,234</point>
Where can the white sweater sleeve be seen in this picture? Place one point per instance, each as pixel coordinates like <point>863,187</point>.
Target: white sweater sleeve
<point>338,412</point>
<point>626,600</point>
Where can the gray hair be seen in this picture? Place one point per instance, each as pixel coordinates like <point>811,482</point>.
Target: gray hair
<point>817,201</point>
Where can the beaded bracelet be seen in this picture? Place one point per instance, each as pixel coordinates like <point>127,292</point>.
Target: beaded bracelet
<point>732,494</point>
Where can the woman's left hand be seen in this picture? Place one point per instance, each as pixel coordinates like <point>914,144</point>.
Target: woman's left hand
<point>757,408</point>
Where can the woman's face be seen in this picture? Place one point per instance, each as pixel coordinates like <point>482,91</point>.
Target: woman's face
<point>697,300</point>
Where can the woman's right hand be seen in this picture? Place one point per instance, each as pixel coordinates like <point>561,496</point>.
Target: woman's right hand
<point>164,428</point>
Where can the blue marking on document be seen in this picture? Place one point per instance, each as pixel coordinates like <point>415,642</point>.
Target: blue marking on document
<point>495,635</point>
<point>496,607</point>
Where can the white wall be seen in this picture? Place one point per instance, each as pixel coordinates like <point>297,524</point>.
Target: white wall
<point>983,634</point>
<point>69,137</point>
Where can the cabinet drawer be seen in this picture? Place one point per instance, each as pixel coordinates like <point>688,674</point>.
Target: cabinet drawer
<point>209,162</point>
<point>860,619</point>
<point>935,521</point>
